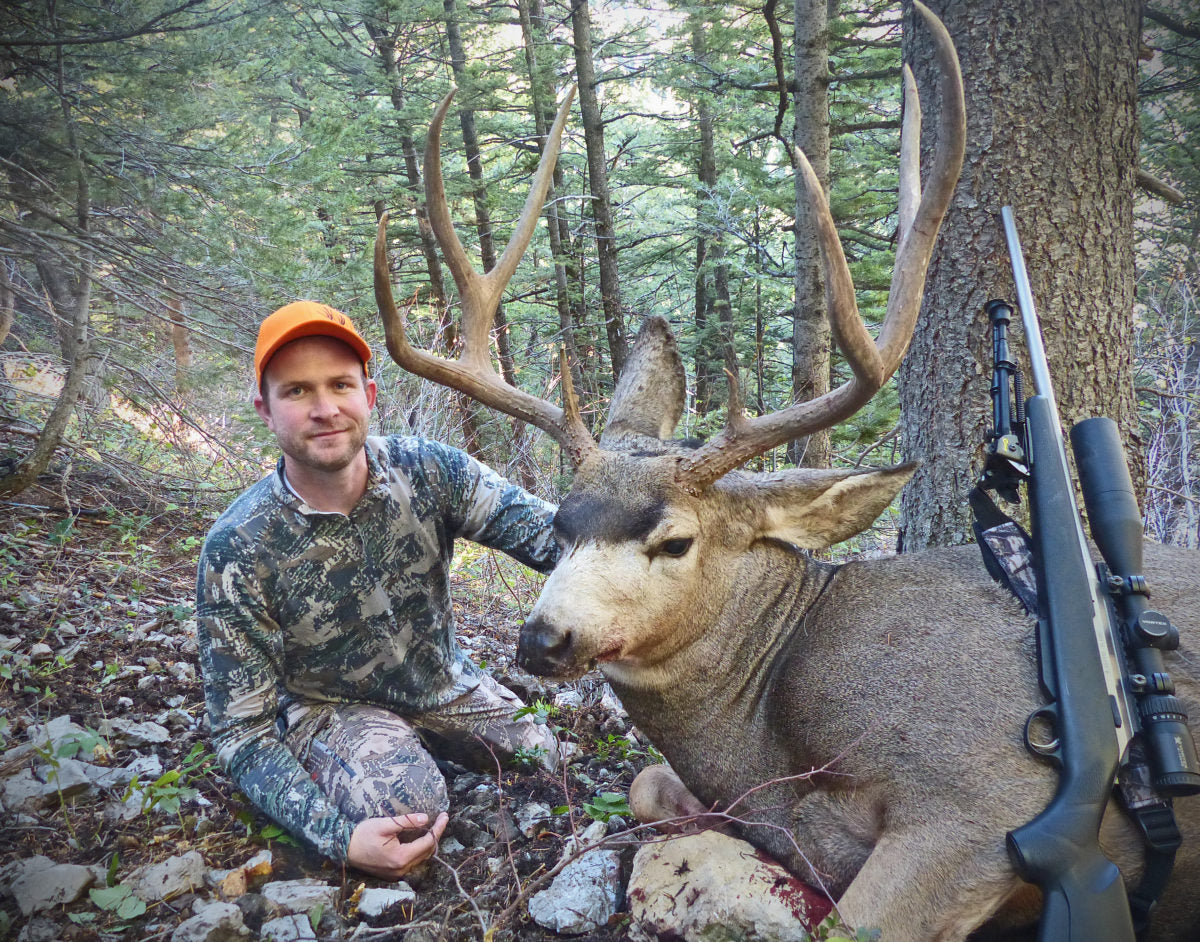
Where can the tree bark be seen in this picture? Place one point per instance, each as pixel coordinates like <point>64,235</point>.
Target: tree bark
<point>541,86</point>
<point>32,465</point>
<point>7,303</point>
<point>179,342</point>
<point>1052,130</point>
<point>810,317</point>
<point>601,200</point>
<point>483,217</point>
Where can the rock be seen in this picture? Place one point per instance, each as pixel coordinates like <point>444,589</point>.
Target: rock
<point>46,738</point>
<point>568,699</point>
<point>173,876</point>
<point>295,928</point>
<point>586,892</point>
<point>377,900</point>
<point>42,884</point>
<point>183,670</point>
<point>299,896</point>
<point>67,776</point>
<point>710,885</point>
<point>234,883</point>
<point>23,792</point>
<point>212,922</point>
<point>500,825</point>
<point>41,929</point>
<point>133,733</point>
<point>40,653</point>
<point>531,817</point>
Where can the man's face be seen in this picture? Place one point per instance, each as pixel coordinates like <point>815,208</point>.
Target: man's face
<point>317,402</point>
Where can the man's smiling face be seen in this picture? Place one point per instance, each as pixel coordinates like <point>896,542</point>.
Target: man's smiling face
<point>317,401</point>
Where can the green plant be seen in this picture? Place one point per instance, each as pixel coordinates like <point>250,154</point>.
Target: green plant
<point>86,741</point>
<point>542,712</point>
<point>119,900</point>
<point>607,804</point>
<point>528,757</point>
<point>171,789</point>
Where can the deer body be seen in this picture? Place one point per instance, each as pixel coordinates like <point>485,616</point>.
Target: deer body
<point>908,682</point>
<point>861,723</point>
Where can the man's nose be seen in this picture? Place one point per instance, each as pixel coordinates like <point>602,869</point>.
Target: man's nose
<point>324,406</point>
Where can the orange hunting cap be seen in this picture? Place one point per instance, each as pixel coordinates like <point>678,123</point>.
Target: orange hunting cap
<point>304,319</point>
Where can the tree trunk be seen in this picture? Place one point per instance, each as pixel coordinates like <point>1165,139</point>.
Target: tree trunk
<point>179,342</point>
<point>447,329</point>
<point>7,303</point>
<point>1052,131</point>
<point>542,91</point>
<point>78,375</point>
<point>601,201</point>
<point>483,217</point>
<point>810,318</point>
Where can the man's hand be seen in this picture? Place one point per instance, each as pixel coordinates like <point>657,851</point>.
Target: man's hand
<point>390,847</point>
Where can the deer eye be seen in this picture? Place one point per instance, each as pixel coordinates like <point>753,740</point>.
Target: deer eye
<point>676,547</point>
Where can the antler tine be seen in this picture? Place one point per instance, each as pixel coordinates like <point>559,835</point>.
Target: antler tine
<point>872,362</point>
<point>473,373</point>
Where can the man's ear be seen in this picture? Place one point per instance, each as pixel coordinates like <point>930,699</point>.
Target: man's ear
<point>371,389</point>
<point>262,407</point>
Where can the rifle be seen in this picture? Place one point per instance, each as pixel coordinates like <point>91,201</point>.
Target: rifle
<point>1094,622</point>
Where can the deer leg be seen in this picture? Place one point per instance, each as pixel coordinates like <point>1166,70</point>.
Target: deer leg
<point>924,885</point>
<point>658,797</point>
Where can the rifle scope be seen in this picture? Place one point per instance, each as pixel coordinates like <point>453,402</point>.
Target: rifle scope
<point>1116,526</point>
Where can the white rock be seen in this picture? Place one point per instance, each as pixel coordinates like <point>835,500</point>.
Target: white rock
<point>299,896</point>
<point>709,885</point>
<point>40,653</point>
<point>584,895</point>
<point>294,928</point>
<point>41,929</point>
<point>133,733</point>
<point>530,817</point>
<point>377,900</point>
<point>568,699</point>
<point>168,878</point>
<point>68,776</point>
<point>23,792</point>
<point>39,887</point>
<point>213,922</point>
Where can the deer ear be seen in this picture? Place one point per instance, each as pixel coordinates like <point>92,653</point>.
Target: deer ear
<point>649,396</point>
<point>814,509</point>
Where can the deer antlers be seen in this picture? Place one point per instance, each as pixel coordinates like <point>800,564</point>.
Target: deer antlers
<point>473,373</point>
<point>871,361</point>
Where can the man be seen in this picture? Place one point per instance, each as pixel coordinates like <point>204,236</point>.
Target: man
<point>325,623</point>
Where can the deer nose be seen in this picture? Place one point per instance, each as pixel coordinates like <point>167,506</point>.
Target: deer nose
<point>544,648</point>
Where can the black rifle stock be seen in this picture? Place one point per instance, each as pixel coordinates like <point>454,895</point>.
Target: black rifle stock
<point>1059,850</point>
<point>1085,897</point>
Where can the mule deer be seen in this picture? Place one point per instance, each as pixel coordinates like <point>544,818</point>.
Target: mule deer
<point>902,685</point>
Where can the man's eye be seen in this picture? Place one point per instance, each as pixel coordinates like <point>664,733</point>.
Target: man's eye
<point>676,547</point>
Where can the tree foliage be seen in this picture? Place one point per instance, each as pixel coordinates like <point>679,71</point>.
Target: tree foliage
<point>200,162</point>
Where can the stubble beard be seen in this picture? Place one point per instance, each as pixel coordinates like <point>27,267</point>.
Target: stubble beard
<point>305,452</point>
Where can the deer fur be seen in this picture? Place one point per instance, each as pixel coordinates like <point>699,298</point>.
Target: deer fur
<point>885,698</point>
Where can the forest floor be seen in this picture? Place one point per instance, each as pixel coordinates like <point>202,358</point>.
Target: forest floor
<point>108,591</point>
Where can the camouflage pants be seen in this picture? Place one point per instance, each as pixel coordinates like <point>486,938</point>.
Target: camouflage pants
<point>373,763</point>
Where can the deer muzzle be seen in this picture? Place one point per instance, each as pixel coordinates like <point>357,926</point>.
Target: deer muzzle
<point>546,649</point>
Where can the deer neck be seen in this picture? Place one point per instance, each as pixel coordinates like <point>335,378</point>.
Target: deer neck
<point>715,687</point>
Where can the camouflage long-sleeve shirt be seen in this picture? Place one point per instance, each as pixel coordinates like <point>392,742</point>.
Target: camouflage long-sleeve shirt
<point>296,604</point>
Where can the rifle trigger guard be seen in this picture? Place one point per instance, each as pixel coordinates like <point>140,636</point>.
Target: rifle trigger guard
<point>1047,748</point>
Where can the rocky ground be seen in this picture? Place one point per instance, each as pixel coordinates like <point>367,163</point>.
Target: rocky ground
<point>117,824</point>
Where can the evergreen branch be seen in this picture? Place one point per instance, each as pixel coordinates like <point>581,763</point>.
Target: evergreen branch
<point>156,24</point>
<point>1174,25</point>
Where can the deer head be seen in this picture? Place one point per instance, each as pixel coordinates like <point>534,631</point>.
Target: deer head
<point>654,532</point>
